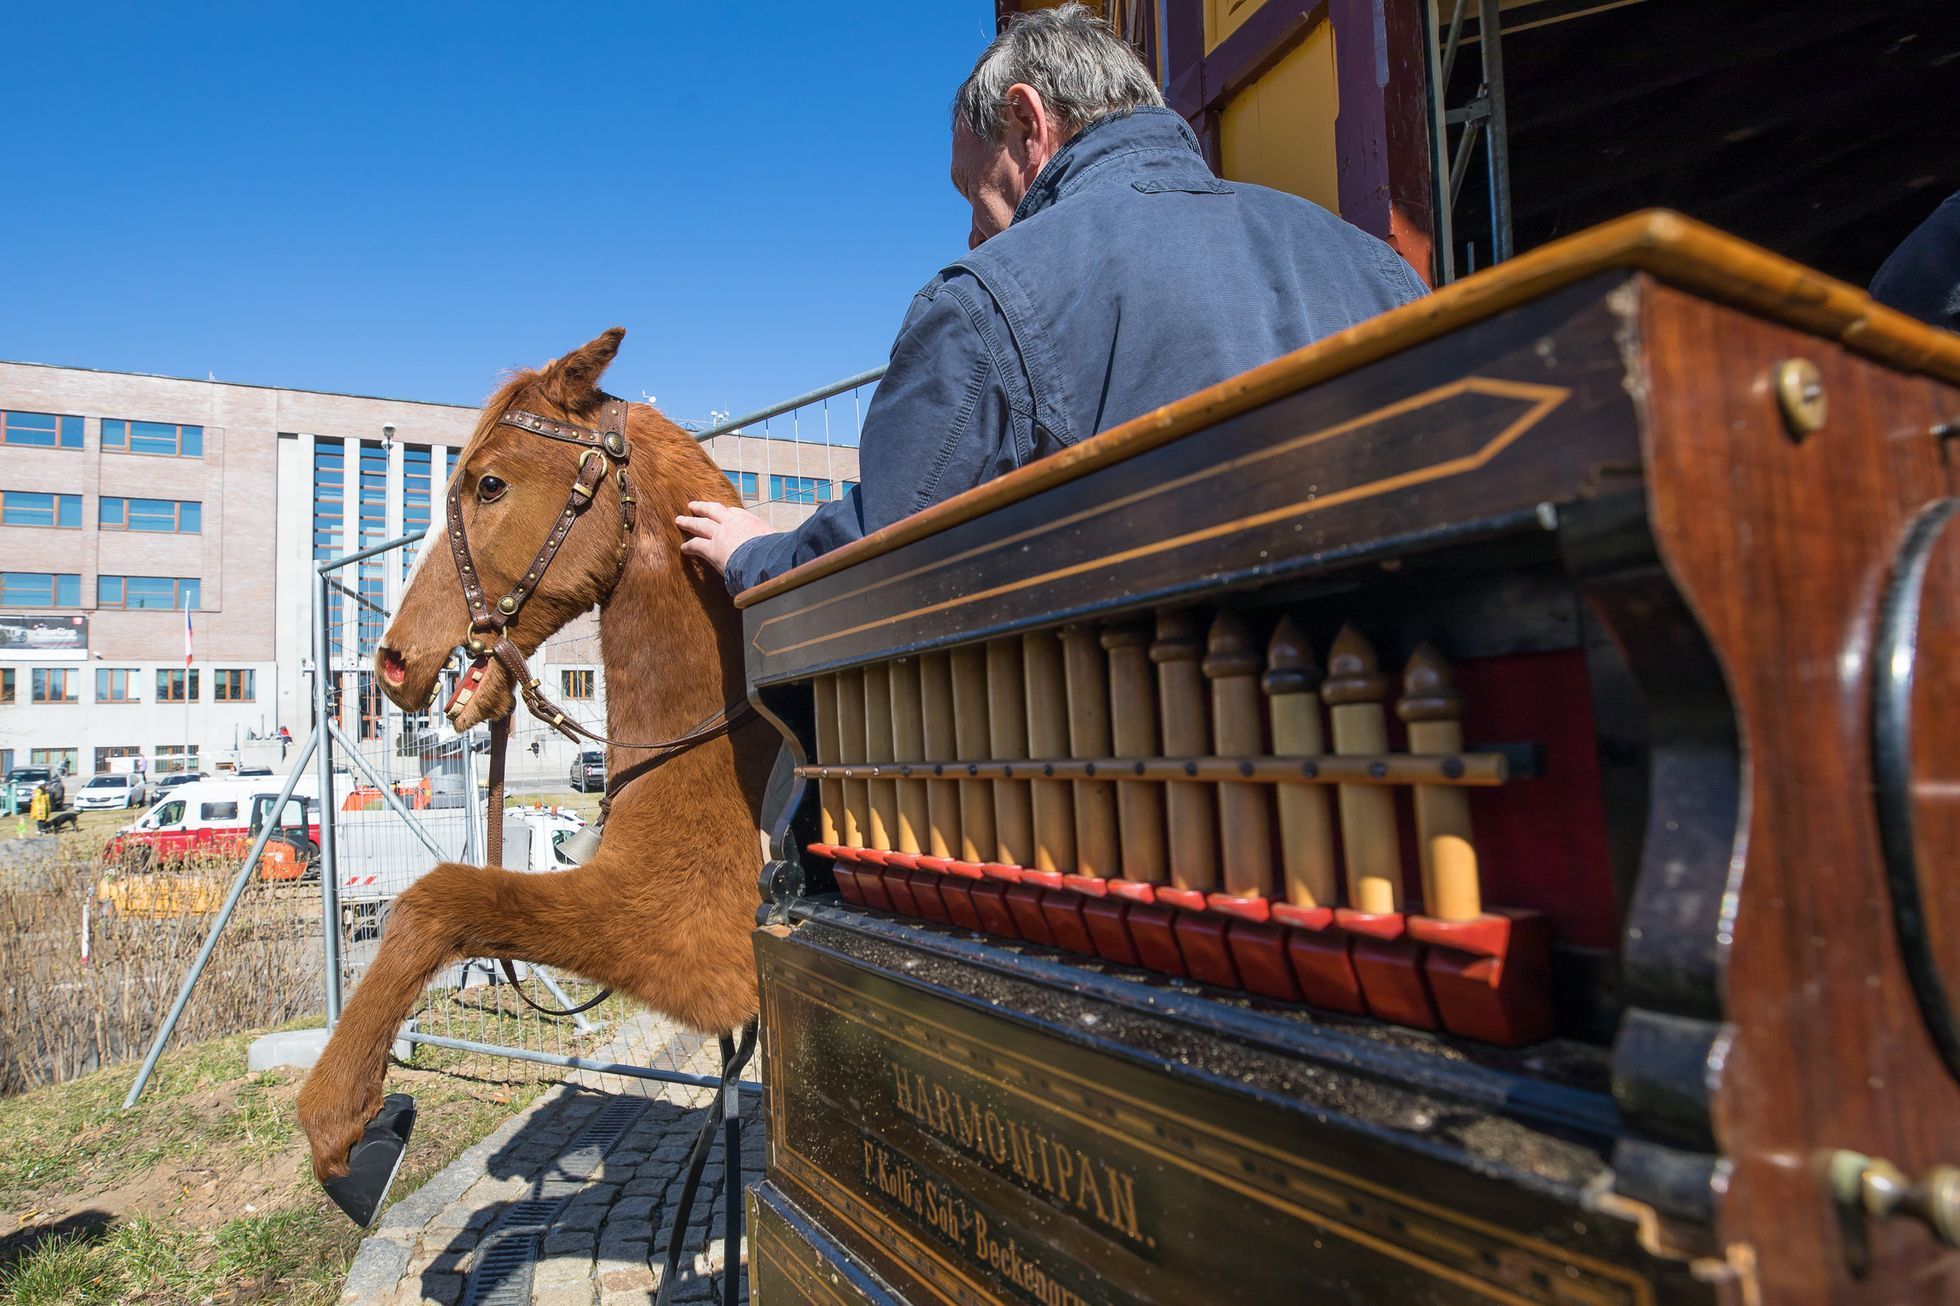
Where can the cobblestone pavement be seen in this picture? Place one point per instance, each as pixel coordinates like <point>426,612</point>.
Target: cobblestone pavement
<point>571,1202</point>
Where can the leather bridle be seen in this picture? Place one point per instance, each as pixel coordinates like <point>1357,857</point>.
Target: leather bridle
<point>604,455</point>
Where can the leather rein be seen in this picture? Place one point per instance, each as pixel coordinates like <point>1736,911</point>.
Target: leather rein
<point>604,455</point>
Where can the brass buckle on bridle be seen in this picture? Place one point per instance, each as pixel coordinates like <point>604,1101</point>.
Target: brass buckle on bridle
<point>578,482</point>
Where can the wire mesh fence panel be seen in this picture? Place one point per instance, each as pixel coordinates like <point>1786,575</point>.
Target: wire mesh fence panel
<point>409,793</point>
<point>99,929</point>
<point>794,458</point>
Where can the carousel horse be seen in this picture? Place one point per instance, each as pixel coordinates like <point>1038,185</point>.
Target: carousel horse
<point>564,499</point>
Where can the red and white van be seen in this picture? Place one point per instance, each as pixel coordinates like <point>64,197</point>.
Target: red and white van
<point>212,819</point>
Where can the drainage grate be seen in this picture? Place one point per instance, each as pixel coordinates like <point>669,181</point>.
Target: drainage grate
<point>502,1268</point>
<point>580,1161</point>
<point>500,1274</point>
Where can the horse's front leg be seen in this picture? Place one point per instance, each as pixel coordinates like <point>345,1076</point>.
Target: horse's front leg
<point>452,912</point>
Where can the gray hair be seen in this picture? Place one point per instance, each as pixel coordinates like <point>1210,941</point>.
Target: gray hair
<point>1082,69</point>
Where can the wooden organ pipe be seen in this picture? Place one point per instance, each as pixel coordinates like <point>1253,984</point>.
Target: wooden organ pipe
<point>1186,733</point>
<point>830,793</point>
<point>1133,733</point>
<point>1089,736</point>
<point>1354,691</point>
<point>1232,665</point>
<point>850,751</point>
<point>969,668</point>
<point>941,744</point>
<point>1054,808</point>
<point>1306,824</point>
<point>1007,736</point>
<point>1433,710</point>
<point>878,751</point>
<point>909,745</point>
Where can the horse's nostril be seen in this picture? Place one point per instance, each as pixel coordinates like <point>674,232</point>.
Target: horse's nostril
<point>393,666</point>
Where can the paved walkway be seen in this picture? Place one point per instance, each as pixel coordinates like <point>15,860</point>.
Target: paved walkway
<point>561,1205</point>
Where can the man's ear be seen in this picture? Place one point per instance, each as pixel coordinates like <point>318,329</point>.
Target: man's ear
<point>572,382</point>
<point>1033,131</point>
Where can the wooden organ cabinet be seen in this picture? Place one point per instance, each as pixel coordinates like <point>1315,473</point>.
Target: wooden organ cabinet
<point>1465,812</point>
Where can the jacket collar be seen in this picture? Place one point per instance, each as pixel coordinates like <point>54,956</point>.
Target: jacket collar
<point>1157,132</point>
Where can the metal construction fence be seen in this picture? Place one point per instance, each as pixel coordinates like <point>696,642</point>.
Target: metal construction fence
<point>387,794</point>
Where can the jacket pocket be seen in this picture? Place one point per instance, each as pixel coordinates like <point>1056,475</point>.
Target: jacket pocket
<point>1182,186</point>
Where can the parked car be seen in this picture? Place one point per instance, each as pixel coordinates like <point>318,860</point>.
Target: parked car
<point>112,791</point>
<point>26,777</point>
<point>180,778</point>
<point>589,770</point>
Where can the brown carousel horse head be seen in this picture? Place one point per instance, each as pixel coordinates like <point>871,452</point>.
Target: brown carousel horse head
<point>511,491</point>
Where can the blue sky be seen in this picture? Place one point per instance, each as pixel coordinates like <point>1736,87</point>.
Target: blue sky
<point>404,199</point>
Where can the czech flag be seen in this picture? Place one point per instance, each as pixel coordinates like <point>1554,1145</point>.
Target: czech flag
<point>187,636</point>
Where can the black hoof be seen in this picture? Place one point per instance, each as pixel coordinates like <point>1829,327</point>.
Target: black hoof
<point>372,1164</point>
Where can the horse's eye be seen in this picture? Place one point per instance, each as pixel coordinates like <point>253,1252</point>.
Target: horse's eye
<point>489,489</point>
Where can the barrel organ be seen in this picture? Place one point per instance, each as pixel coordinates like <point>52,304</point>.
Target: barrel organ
<point>1444,816</point>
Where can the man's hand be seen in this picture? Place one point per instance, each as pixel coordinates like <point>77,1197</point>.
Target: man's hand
<point>716,530</point>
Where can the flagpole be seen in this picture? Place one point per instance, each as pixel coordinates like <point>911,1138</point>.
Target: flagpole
<point>187,683</point>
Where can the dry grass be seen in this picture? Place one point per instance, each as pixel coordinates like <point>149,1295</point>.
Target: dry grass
<point>64,1015</point>
<point>202,1192</point>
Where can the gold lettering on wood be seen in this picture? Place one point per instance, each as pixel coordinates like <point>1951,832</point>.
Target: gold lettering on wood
<point>1062,1171</point>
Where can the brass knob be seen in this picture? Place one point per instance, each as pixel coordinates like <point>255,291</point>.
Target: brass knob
<point>507,605</point>
<point>1800,394</point>
<point>1881,1190</point>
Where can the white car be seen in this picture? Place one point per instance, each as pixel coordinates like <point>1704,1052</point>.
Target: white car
<point>112,791</point>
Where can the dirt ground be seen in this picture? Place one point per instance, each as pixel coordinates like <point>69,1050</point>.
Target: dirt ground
<point>203,1191</point>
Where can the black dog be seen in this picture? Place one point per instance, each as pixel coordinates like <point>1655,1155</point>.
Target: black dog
<point>67,819</point>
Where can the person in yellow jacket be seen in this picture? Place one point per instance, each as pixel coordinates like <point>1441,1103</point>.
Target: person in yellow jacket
<point>40,807</point>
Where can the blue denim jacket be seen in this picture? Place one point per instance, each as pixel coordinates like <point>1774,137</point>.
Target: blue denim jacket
<point>1129,278</point>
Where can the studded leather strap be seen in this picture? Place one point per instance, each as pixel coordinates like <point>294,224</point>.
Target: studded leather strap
<point>606,443</point>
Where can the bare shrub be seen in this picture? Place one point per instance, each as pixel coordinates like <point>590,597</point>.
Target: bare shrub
<point>61,1015</point>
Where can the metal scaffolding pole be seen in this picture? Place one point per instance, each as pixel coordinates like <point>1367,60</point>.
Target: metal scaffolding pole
<point>329,863</point>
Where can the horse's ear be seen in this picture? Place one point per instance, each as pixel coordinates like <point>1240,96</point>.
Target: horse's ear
<point>572,382</point>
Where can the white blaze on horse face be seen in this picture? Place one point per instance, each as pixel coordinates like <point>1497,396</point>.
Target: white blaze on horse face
<point>431,545</point>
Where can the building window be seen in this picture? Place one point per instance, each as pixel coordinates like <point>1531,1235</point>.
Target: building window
<point>576,684</point>
<point>177,686</point>
<point>329,520</point>
<point>164,516</point>
<point>105,757</point>
<point>62,761</point>
<point>798,489</point>
<point>115,685</point>
<point>417,485</point>
<point>55,685</point>
<point>23,508</point>
<point>40,589</point>
<point>371,706</point>
<point>41,430</point>
<point>164,438</point>
<point>172,759</point>
<point>373,527</point>
<point>146,592</point>
<point>6,690</point>
<point>6,760</point>
<point>845,487</point>
<point>745,485</point>
<point>233,686</point>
